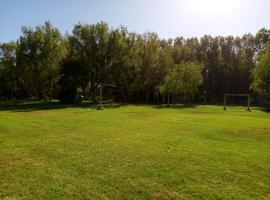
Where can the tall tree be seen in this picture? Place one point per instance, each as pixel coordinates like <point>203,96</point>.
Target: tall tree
<point>8,73</point>
<point>148,68</point>
<point>137,64</point>
<point>183,79</point>
<point>40,52</point>
<point>261,73</point>
<point>90,45</point>
<point>124,51</point>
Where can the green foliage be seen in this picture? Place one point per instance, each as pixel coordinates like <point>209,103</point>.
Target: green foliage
<point>72,76</point>
<point>148,69</point>
<point>261,73</point>
<point>90,45</point>
<point>8,73</point>
<point>39,55</point>
<point>124,52</point>
<point>184,78</point>
<point>137,66</point>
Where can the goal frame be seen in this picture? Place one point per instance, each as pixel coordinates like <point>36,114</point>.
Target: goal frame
<point>237,95</point>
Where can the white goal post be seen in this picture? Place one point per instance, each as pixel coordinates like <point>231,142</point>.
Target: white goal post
<point>237,95</point>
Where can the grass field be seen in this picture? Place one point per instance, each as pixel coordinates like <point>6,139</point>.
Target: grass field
<point>133,152</point>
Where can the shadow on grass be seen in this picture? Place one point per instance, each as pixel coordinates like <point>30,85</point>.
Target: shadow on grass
<point>29,106</point>
<point>265,109</point>
<point>175,106</point>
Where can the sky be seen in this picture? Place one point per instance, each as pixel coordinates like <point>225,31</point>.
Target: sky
<point>168,18</point>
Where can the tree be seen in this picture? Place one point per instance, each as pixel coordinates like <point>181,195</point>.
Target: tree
<point>139,65</point>
<point>8,73</point>
<point>148,68</point>
<point>124,51</point>
<point>90,45</point>
<point>40,52</point>
<point>261,73</point>
<point>261,38</point>
<point>71,78</point>
<point>183,79</point>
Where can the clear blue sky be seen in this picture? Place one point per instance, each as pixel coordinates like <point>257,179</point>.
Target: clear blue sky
<point>169,18</point>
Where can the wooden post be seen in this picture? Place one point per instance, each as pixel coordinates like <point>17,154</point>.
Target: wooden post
<point>224,103</point>
<point>248,103</point>
<point>163,99</point>
<point>100,95</point>
<point>112,95</point>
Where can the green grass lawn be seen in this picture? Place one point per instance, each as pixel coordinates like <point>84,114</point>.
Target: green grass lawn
<point>133,152</point>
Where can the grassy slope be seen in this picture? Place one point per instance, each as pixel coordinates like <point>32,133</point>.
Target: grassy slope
<point>134,152</point>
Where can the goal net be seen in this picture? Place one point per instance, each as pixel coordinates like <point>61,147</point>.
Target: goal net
<point>226,96</point>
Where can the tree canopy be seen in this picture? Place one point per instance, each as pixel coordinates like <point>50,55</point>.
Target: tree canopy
<point>45,64</point>
<point>261,73</point>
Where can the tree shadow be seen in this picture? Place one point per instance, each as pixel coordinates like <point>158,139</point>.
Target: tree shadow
<point>175,106</point>
<point>265,109</point>
<point>29,106</point>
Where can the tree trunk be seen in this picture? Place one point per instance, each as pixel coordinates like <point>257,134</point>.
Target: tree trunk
<point>100,94</point>
<point>93,92</point>
<point>163,99</point>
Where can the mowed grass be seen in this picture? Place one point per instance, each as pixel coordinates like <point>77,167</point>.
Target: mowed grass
<point>133,152</point>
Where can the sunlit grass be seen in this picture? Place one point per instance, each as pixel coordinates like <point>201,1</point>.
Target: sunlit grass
<point>133,152</point>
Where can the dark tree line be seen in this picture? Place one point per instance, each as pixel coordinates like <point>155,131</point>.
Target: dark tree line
<point>44,64</point>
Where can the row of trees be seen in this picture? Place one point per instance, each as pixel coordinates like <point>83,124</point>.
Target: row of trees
<point>44,64</point>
